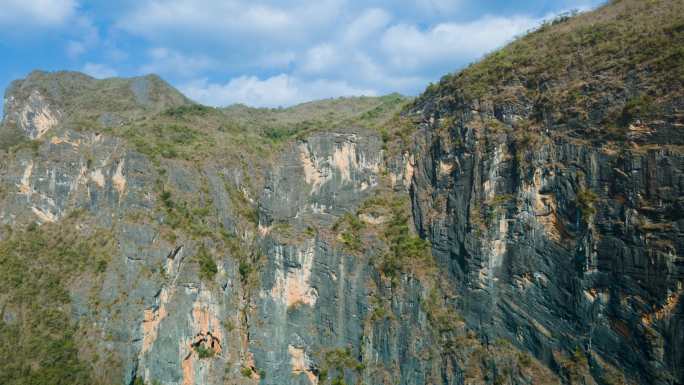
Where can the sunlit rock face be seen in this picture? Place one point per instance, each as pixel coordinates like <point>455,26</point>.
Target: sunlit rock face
<point>35,117</point>
<point>350,241</point>
<point>527,255</point>
<point>286,302</point>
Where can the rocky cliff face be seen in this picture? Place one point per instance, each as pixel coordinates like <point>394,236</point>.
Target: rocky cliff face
<point>493,233</point>
<point>296,267</point>
<point>558,248</point>
<point>561,223</point>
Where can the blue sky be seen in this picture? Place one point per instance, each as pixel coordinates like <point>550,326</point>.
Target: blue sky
<point>265,52</point>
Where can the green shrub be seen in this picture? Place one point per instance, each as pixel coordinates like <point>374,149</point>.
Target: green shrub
<point>165,140</point>
<point>579,357</point>
<point>338,360</point>
<point>404,247</point>
<point>204,352</point>
<point>246,371</point>
<point>193,219</point>
<point>349,228</point>
<point>241,205</point>
<point>585,203</point>
<point>384,135</point>
<point>245,270</point>
<point>166,199</point>
<point>524,359</point>
<point>636,108</point>
<point>496,205</point>
<point>187,111</point>
<point>208,268</point>
<point>310,231</point>
<point>442,317</point>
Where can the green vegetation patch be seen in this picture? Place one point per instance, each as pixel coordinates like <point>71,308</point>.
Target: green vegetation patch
<point>208,268</point>
<point>390,220</point>
<point>405,248</point>
<point>585,203</point>
<point>37,337</point>
<point>349,229</point>
<point>166,140</point>
<point>334,364</point>
<point>204,352</point>
<point>575,367</point>
<point>190,217</point>
<point>495,206</point>
<point>249,258</point>
<point>246,371</point>
<point>441,315</point>
<point>140,381</point>
<point>186,111</point>
<point>241,205</point>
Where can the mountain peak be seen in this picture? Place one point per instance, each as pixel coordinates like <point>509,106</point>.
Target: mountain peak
<point>44,100</point>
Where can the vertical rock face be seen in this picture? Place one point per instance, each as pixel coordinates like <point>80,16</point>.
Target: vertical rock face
<point>218,276</point>
<point>313,295</point>
<point>555,243</point>
<point>522,253</point>
<point>493,233</point>
<point>552,195</point>
<point>215,276</point>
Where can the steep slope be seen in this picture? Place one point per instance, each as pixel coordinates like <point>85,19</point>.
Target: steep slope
<point>181,244</point>
<point>548,179</point>
<point>520,222</point>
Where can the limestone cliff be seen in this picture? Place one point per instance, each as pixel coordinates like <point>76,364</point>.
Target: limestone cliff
<point>520,222</point>
<point>551,192</point>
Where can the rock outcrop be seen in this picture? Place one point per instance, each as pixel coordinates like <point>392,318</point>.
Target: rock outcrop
<point>492,231</point>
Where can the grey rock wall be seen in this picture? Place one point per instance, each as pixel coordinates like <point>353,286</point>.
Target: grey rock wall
<point>557,244</point>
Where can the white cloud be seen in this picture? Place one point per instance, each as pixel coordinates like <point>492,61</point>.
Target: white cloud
<point>352,45</point>
<point>402,57</point>
<point>439,6</point>
<point>99,71</point>
<point>87,34</point>
<point>365,69</point>
<point>365,56</point>
<point>321,58</point>
<point>280,90</point>
<point>169,62</point>
<point>365,25</point>
<point>409,47</point>
<point>75,48</point>
<point>228,20</point>
<point>36,12</point>
<point>338,55</point>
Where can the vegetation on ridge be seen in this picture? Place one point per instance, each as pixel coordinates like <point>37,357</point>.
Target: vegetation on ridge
<point>608,68</point>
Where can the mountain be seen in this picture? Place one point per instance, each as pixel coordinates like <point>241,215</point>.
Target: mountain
<point>520,222</point>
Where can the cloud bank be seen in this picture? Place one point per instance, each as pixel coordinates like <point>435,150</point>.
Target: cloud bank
<point>32,13</point>
<point>280,90</point>
<point>268,52</point>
